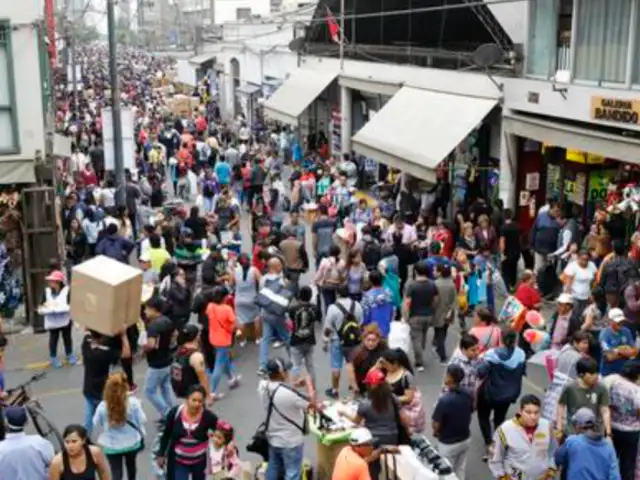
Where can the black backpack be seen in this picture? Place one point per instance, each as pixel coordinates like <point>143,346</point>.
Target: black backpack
<point>304,323</point>
<point>349,330</point>
<point>371,254</point>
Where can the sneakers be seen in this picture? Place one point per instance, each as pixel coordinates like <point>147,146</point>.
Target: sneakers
<point>235,383</point>
<point>72,360</point>
<point>242,343</point>
<point>420,368</point>
<point>133,389</point>
<point>262,372</point>
<point>55,363</point>
<point>258,341</point>
<point>217,396</point>
<point>332,393</point>
<point>277,344</point>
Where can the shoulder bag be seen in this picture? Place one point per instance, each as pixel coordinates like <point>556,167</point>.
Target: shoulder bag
<point>259,443</point>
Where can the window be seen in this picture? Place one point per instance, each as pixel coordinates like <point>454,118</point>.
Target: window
<point>243,13</point>
<point>542,44</point>
<point>602,40</point>
<point>8,114</point>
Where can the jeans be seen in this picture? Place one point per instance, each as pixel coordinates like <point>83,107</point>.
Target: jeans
<point>456,453</point>
<point>118,461</point>
<point>439,339</point>
<point>272,330</point>
<point>207,204</point>
<point>328,297</point>
<point>54,336</point>
<point>485,407</point>
<point>222,365</point>
<point>284,463</point>
<point>626,445</point>
<point>91,405</point>
<point>159,379</point>
<point>186,472</point>
<point>419,328</point>
<point>302,355</point>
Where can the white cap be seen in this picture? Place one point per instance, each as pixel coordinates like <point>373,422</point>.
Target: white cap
<point>360,436</point>
<point>565,298</point>
<point>145,257</point>
<point>616,315</point>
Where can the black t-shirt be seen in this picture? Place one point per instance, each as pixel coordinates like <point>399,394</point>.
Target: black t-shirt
<point>511,233</point>
<point>97,359</point>
<point>163,330</point>
<point>198,225</point>
<point>304,317</point>
<point>453,413</point>
<point>364,360</point>
<point>421,293</point>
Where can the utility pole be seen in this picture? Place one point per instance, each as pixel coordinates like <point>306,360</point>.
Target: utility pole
<point>115,105</point>
<point>70,30</point>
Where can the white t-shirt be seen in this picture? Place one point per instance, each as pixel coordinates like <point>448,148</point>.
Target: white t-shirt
<point>281,431</point>
<point>582,279</point>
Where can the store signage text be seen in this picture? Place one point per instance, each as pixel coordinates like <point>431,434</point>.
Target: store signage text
<point>615,110</point>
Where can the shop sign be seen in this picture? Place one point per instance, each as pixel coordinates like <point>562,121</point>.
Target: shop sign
<point>598,185</point>
<point>616,110</point>
<point>583,157</point>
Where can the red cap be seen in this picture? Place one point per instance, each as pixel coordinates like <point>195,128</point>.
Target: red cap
<point>55,276</point>
<point>374,377</point>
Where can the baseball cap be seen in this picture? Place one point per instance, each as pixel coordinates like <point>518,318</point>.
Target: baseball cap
<point>278,365</point>
<point>583,418</point>
<point>374,377</point>
<point>617,315</point>
<point>55,276</point>
<point>360,436</point>
<point>565,298</point>
<point>15,418</point>
<point>145,257</point>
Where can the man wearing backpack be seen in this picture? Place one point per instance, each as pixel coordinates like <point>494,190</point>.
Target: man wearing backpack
<point>303,316</point>
<point>371,249</point>
<point>341,334</point>
<point>616,273</point>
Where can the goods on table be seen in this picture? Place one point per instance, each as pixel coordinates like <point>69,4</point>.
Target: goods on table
<point>105,295</point>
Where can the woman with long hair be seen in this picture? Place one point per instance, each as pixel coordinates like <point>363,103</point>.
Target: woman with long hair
<point>79,459</point>
<point>399,376</point>
<point>121,420</point>
<point>76,242</point>
<point>486,329</point>
<point>125,229</point>
<point>328,276</point>
<point>184,442</point>
<point>246,280</point>
<point>355,274</point>
<point>365,357</point>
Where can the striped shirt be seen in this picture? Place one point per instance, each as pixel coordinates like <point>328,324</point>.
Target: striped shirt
<point>188,449</point>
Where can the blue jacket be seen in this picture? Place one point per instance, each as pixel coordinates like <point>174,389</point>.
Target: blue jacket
<point>116,247</point>
<point>588,458</point>
<point>544,234</point>
<point>503,369</point>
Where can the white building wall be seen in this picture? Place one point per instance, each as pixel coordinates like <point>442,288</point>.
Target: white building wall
<point>27,79</point>
<point>226,10</point>
<point>512,16</point>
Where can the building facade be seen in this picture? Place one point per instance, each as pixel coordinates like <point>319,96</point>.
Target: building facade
<point>22,136</point>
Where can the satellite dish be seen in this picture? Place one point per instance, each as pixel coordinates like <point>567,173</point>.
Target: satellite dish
<point>297,45</point>
<point>487,55</point>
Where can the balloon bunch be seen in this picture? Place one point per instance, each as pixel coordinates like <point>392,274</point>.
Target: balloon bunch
<point>536,336</point>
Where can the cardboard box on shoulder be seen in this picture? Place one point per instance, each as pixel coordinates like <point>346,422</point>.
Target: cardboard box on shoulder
<point>105,295</point>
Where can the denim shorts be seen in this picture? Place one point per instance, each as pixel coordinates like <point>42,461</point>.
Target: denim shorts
<point>338,354</point>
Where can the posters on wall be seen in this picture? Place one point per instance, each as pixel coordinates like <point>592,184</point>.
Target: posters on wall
<point>598,184</point>
<point>336,131</point>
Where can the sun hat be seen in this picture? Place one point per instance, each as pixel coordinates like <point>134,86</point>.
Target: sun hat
<point>617,315</point>
<point>565,298</point>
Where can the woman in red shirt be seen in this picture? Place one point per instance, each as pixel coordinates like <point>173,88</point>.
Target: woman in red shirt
<point>527,292</point>
<point>222,328</point>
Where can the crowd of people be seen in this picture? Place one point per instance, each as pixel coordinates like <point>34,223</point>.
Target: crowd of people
<point>382,277</point>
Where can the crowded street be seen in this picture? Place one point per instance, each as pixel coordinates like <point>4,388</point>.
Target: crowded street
<point>238,243</point>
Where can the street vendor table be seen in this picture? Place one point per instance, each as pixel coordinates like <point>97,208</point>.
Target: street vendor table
<point>329,443</point>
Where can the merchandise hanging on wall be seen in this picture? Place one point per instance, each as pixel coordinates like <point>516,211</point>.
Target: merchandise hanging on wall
<point>336,131</point>
<point>10,253</point>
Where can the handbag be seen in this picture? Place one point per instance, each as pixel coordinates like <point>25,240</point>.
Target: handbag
<point>135,427</point>
<point>403,435</point>
<point>387,468</point>
<point>259,443</point>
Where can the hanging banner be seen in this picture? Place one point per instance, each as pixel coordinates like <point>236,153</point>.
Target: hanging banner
<point>598,184</point>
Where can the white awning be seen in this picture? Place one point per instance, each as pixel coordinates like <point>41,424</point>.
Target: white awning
<point>296,93</point>
<point>17,171</point>
<point>202,58</point>
<point>417,129</point>
<point>573,137</point>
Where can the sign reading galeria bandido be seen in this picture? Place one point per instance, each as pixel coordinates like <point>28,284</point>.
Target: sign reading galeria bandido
<point>615,110</point>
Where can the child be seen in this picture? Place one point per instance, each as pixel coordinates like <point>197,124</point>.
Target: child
<point>222,458</point>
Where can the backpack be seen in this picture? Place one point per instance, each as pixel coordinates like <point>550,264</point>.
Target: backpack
<point>371,254</point>
<point>304,324</point>
<point>183,376</point>
<point>349,330</point>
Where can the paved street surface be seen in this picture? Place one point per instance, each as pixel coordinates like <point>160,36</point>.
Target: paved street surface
<point>61,391</point>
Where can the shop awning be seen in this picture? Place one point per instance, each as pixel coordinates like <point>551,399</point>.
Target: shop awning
<point>417,129</point>
<point>573,137</point>
<point>202,58</point>
<point>17,171</point>
<point>296,93</point>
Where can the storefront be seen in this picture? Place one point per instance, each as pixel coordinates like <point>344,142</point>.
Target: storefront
<point>582,165</point>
